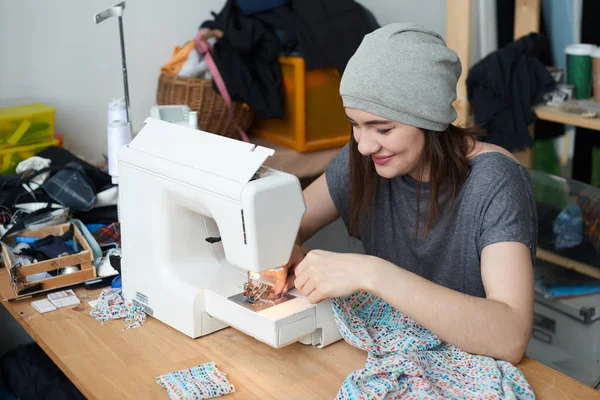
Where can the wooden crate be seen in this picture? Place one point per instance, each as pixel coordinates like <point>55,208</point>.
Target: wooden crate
<point>84,259</point>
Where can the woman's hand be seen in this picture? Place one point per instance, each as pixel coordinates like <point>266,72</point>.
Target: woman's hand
<point>284,279</point>
<point>323,274</point>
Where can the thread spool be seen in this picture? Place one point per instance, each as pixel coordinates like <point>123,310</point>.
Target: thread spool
<point>193,120</point>
<point>579,69</point>
<point>118,135</point>
<point>117,110</point>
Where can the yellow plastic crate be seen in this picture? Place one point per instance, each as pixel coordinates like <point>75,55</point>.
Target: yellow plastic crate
<point>314,117</point>
<point>26,124</point>
<point>10,157</point>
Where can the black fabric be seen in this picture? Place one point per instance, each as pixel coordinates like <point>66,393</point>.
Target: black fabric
<point>50,246</point>
<point>30,375</point>
<point>324,32</point>
<point>61,157</point>
<point>586,139</point>
<point>330,31</point>
<point>505,23</point>
<point>503,87</point>
<point>71,188</point>
<point>100,215</point>
<point>246,57</point>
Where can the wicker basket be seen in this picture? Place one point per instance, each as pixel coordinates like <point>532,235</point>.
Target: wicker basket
<point>199,95</point>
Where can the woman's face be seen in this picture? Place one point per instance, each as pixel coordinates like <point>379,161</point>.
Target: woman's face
<point>394,148</point>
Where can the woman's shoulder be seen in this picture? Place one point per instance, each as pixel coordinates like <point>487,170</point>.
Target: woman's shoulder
<point>496,152</point>
<point>493,167</point>
<point>486,156</point>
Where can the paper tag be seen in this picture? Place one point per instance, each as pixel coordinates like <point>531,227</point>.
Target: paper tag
<point>64,298</point>
<point>43,306</point>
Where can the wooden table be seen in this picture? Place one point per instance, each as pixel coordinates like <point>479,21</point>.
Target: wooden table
<point>303,165</point>
<point>105,362</point>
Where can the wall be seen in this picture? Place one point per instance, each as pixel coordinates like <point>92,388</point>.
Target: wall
<point>429,13</point>
<point>53,52</point>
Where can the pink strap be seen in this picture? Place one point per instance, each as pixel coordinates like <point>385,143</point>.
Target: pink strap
<point>204,48</point>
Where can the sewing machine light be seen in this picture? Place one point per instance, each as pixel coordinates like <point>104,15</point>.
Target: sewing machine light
<point>254,275</point>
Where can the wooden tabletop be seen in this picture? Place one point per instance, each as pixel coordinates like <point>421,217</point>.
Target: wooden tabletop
<point>105,362</point>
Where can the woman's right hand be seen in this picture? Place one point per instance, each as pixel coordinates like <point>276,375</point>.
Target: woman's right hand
<point>285,277</point>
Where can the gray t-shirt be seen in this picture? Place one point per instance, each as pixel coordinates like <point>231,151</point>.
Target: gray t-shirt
<point>496,204</point>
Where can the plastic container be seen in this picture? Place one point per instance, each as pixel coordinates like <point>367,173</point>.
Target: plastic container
<point>10,157</point>
<point>26,124</point>
<point>314,117</point>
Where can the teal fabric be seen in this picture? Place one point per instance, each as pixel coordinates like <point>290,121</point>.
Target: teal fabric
<point>96,251</point>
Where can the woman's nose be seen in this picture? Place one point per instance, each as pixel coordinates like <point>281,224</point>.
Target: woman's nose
<point>367,145</point>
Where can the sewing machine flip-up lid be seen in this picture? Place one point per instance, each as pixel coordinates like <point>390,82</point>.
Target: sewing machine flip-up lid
<point>233,159</point>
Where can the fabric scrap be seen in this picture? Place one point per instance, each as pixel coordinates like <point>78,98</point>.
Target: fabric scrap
<point>108,234</point>
<point>110,306</point>
<point>406,361</point>
<point>204,381</point>
<point>589,203</point>
<point>568,228</point>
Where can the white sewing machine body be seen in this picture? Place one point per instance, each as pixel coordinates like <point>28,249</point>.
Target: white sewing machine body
<point>178,187</point>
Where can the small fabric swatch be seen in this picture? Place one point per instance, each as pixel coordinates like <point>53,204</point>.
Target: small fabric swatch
<point>202,382</point>
<point>406,361</point>
<point>110,305</point>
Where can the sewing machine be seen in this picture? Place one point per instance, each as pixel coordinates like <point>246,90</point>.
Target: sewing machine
<point>199,212</point>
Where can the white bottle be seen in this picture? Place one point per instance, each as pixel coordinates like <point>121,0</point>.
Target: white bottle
<point>117,110</point>
<point>193,119</point>
<point>118,135</point>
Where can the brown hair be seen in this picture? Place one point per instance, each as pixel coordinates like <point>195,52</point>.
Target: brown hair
<point>446,153</point>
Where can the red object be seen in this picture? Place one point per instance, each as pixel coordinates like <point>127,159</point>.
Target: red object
<point>61,139</point>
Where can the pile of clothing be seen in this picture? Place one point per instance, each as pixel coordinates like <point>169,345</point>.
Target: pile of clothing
<point>52,188</point>
<point>251,35</point>
<point>503,88</point>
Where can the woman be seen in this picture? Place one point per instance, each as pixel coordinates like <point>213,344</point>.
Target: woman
<point>448,224</point>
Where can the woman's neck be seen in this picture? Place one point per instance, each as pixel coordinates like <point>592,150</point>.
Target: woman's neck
<point>420,173</point>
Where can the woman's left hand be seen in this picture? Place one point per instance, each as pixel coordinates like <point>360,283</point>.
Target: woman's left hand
<point>323,274</point>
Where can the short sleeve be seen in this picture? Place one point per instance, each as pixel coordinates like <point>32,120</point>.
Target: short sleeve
<point>510,212</point>
<point>337,176</point>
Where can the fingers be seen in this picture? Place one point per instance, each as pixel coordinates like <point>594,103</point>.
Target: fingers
<point>280,285</point>
<point>301,278</point>
<point>308,287</point>
<point>290,283</point>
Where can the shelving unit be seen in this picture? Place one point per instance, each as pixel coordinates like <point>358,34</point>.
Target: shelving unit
<point>554,114</point>
<point>527,20</point>
<point>568,263</point>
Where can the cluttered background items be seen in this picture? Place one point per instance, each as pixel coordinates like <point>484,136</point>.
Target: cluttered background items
<point>269,68</point>
<point>54,206</point>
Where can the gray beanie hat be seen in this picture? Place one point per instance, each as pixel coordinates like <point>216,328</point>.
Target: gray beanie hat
<point>405,73</point>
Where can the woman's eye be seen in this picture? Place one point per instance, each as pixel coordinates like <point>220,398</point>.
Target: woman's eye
<point>384,131</point>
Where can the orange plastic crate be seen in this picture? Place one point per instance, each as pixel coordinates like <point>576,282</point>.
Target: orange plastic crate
<point>314,117</point>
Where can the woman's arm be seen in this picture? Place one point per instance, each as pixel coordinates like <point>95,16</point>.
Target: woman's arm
<point>320,210</point>
<point>497,326</point>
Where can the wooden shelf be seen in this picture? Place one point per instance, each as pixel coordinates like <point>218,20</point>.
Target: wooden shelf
<point>580,267</point>
<point>554,114</point>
